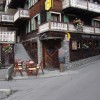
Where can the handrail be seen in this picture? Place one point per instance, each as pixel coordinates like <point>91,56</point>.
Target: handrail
<point>51,25</point>
<point>83,4</point>
<point>21,13</point>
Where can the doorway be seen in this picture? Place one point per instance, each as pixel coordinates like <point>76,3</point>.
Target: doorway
<point>50,53</point>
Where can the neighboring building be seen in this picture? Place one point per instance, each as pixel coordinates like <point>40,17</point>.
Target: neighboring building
<point>50,32</point>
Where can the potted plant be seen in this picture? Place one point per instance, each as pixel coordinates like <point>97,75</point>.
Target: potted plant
<point>0,64</point>
<point>7,48</point>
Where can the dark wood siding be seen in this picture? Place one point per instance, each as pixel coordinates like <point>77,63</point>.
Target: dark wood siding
<point>89,46</point>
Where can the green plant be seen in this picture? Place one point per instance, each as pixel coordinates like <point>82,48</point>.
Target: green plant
<point>7,48</point>
<point>0,64</point>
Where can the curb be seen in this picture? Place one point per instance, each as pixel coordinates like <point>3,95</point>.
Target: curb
<point>4,93</point>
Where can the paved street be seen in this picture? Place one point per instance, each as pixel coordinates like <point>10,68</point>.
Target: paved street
<point>77,84</point>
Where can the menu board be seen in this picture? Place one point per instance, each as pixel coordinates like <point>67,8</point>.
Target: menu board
<point>74,45</point>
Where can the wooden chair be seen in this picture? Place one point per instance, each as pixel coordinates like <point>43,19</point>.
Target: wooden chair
<point>18,68</point>
<point>39,67</point>
<point>31,68</point>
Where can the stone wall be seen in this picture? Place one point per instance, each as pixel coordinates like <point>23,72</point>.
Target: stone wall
<point>39,44</point>
<point>83,62</point>
<point>65,45</point>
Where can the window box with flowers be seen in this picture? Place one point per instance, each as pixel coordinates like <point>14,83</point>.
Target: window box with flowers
<point>7,48</point>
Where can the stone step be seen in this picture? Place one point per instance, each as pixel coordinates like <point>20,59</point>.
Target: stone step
<point>20,52</point>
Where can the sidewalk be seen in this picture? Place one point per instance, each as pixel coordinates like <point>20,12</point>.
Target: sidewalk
<point>53,72</point>
<point>47,73</point>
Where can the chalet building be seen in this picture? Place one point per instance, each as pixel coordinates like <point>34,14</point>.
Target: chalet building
<point>57,32</point>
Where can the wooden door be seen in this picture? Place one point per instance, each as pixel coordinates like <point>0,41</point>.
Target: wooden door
<point>51,53</point>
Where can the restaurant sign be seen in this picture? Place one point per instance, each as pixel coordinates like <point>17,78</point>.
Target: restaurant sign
<point>7,37</point>
<point>67,36</point>
<point>48,4</point>
<point>91,36</point>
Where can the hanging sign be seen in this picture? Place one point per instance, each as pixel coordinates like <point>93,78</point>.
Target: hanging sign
<point>48,4</point>
<point>68,36</point>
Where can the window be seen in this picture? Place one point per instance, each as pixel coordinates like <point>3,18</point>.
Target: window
<point>32,2</point>
<point>97,44</point>
<point>71,17</point>
<point>78,44</point>
<point>74,45</point>
<point>97,24</point>
<point>32,24</point>
<point>28,27</point>
<point>85,45</point>
<point>55,17</point>
<point>1,7</point>
<point>35,22</point>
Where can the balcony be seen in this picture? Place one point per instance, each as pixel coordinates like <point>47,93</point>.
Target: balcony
<point>81,4</point>
<point>21,14</point>
<point>7,18</point>
<point>7,37</point>
<point>66,27</point>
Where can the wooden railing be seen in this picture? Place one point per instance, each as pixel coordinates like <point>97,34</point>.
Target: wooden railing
<point>66,27</point>
<point>21,13</point>
<point>7,36</point>
<point>94,7</point>
<point>83,4</point>
<point>10,18</point>
<point>6,18</point>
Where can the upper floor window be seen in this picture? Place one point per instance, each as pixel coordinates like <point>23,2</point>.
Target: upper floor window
<point>35,22</point>
<point>1,7</point>
<point>96,23</point>
<point>32,2</point>
<point>71,17</point>
<point>56,16</point>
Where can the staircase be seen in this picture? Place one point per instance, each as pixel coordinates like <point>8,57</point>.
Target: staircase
<point>20,52</point>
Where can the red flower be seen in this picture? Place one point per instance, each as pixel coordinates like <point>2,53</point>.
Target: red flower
<point>4,45</point>
<point>7,48</point>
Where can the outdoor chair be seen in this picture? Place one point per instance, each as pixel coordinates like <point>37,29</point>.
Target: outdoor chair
<point>18,68</point>
<point>31,68</point>
<point>40,67</point>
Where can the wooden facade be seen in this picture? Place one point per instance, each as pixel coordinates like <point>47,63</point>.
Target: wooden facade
<point>52,37</point>
<point>50,27</point>
<point>84,46</point>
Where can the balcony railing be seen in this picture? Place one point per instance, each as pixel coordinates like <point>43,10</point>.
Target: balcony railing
<point>21,14</point>
<point>94,7</point>
<point>7,37</point>
<point>7,18</point>
<point>82,4</point>
<point>66,27</point>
